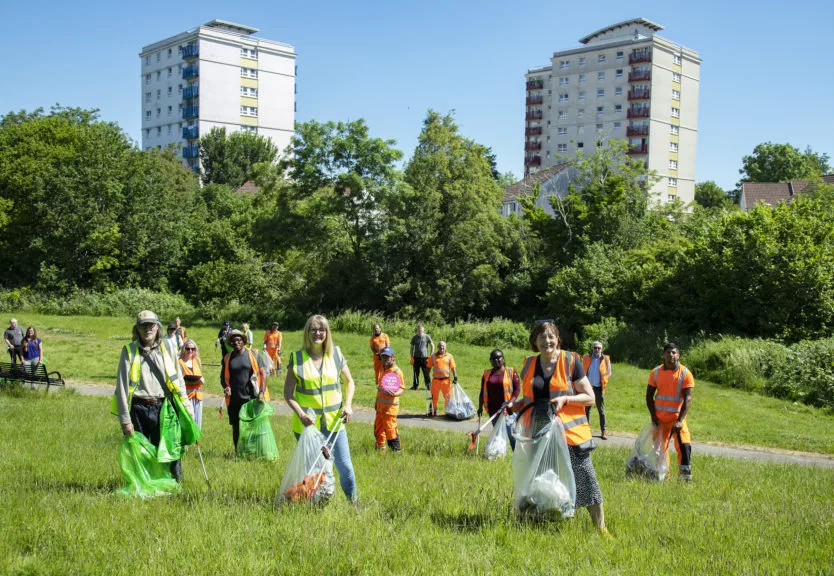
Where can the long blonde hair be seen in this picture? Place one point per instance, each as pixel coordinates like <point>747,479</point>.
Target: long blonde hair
<point>327,345</point>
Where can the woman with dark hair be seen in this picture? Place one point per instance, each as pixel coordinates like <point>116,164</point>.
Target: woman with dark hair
<point>557,376</point>
<point>32,348</point>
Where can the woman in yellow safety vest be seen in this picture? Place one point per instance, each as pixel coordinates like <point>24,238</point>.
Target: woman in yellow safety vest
<point>314,381</point>
<point>557,376</point>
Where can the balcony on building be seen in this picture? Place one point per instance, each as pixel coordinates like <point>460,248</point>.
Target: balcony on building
<point>639,149</point>
<point>191,91</point>
<point>640,55</point>
<point>533,131</point>
<point>190,51</point>
<point>535,84</point>
<point>644,94</point>
<point>190,112</point>
<point>190,151</point>
<point>534,115</point>
<point>190,72</point>
<point>533,100</point>
<point>640,76</point>
<point>637,131</point>
<point>535,146</point>
<point>533,160</point>
<point>637,113</point>
<point>191,132</point>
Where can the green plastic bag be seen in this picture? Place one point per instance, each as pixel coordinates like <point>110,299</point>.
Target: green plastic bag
<point>190,431</point>
<point>256,438</point>
<point>143,475</point>
<point>170,434</point>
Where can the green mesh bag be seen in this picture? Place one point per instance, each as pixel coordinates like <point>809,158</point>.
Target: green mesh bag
<point>144,476</point>
<point>170,434</point>
<point>256,439</point>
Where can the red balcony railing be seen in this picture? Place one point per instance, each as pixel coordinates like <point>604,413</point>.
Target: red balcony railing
<point>533,131</point>
<point>638,56</point>
<point>639,94</point>
<point>533,160</point>
<point>640,76</point>
<point>637,131</point>
<point>534,115</point>
<point>637,113</point>
<point>532,100</point>
<point>533,146</point>
<point>641,149</point>
<point>535,84</point>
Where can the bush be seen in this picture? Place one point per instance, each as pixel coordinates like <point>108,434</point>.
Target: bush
<point>737,362</point>
<point>641,345</point>
<point>806,374</point>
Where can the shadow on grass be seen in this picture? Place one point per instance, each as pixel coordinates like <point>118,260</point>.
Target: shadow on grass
<point>463,522</point>
<point>77,486</point>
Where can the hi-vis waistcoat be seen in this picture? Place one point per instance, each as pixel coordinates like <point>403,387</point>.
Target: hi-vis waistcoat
<point>508,385</point>
<point>319,391</point>
<point>135,372</point>
<point>577,430</point>
<point>256,369</point>
<point>195,390</point>
<point>441,366</point>
<point>604,368</point>
<point>669,398</point>
<point>272,341</point>
<point>389,404</point>
<point>379,342</point>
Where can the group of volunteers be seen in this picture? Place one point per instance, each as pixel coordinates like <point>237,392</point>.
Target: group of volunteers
<point>319,389</point>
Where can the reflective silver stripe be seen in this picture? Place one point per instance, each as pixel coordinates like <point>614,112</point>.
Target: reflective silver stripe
<point>311,391</point>
<point>559,393</point>
<point>387,400</point>
<point>578,422</point>
<point>333,407</point>
<point>587,444</point>
<point>299,371</point>
<point>608,363</point>
<point>667,409</point>
<point>680,381</point>
<point>668,398</point>
<point>655,376</point>
<point>528,362</point>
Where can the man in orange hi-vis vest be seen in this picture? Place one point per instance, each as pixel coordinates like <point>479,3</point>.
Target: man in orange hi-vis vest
<point>668,398</point>
<point>379,340</point>
<point>273,339</point>
<point>388,394</point>
<point>443,367</point>
<point>598,369</point>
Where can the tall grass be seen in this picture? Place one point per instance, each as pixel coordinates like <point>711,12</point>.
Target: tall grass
<point>431,510</point>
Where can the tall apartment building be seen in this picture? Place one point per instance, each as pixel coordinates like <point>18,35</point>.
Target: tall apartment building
<point>218,74</point>
<point>626,83</point>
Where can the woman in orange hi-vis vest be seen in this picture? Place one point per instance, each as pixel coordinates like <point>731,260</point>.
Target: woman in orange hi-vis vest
<point>192,373</point>
<point>443,373</point>
<point>273,339</point>
<point>557,376</point>
<point>379,340</point>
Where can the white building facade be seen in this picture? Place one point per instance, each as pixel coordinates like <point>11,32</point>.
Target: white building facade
<point>625,83</point>
<point>217,75</point>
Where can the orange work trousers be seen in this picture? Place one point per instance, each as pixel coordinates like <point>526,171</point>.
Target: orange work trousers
<point>683,440</point>
<point>385,428</point>
<point>377,369</point>
<point>439,385</point>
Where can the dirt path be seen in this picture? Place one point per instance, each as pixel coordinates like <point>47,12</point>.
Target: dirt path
<point>615,439</point>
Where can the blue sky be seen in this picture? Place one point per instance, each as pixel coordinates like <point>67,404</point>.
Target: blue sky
<point>766,75</point>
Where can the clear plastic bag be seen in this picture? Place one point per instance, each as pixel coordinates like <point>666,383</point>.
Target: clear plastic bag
<point>543,483</point>
<point>459,406</point>
<point>309,476</point>
<point>256,438</point>
<point>144,476</point>
<point>499,440</point>
<point>648,458</point>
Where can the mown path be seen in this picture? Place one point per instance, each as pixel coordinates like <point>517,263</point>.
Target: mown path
<point>615,439</point>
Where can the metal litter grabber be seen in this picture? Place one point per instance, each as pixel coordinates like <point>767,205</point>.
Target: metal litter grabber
<point>476,435</point>
<point>310,484</point>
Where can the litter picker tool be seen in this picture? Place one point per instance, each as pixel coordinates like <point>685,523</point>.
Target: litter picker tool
<point>311,482</point>
<point>476,435</point>
<point>203,464</point>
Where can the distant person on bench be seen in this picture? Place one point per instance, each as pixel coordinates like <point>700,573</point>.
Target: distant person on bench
<point>32,349</point>
<point>14,339</point>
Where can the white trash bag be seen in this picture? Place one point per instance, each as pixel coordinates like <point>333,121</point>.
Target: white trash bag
<point>459,406</point>
<point>543,483</point>
<point>499,440</point>
<point>647,458</point>
<point>309,475</point>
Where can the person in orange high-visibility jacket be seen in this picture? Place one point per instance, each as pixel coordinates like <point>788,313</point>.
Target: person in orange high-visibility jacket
<point>241,378</point>
<point>443,374</point>
<point>668,398</point>
<point>192,373</point>
<point>391,387</point>
<point>598,368</point>
<point>498,386</point>
<point>273,339</point>
<point>557,376</point>
<point>379,340</point>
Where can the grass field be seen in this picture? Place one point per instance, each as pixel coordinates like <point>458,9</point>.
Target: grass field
<point>87,349</point>
<point>432,510</point>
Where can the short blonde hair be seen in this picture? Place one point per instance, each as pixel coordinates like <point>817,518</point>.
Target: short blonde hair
<point>327,345</point>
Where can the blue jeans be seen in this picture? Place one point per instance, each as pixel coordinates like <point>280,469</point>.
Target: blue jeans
<point>341,458</point>
<point>197,406</point>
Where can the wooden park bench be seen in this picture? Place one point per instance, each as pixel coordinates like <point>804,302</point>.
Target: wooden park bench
<point>20,373</point>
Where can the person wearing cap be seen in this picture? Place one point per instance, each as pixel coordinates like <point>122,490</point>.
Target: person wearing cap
<point>172,338</point>
<point>388,392</point>
<point>273,339</point>
<point>148,372</point>
<point>668,398</point>
<point>223,338</point>
<point>499,387</point>
<point>598,369</point>
<point>379,340</point>
<point>241,379</point>
<point>14,340</point>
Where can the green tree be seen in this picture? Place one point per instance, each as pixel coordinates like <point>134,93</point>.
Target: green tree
<point>232,159</point>
<point>709,195</point>
<point>771,162</point>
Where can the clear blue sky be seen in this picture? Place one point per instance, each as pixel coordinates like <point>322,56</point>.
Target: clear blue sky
<point>767,71</point>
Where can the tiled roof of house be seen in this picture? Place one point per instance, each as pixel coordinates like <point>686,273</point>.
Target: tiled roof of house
<point>249,187</point>
<point>526,185</point>
<point>772,193</point>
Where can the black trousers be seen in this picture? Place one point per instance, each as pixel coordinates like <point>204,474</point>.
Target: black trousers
<point>16,352</point>
<point>421,364</point>
<point>600,400</point>
<point>145,419</point>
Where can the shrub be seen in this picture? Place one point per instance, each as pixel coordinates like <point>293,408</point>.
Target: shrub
<point>806,374</point>
<point>737,362</point>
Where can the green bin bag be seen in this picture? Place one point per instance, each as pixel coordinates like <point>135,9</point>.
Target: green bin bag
<point>143,475</point>
<point>190,431</point>
<point>170,434</point>
<point>256,439</point>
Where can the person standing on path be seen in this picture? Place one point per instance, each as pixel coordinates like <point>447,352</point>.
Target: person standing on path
<point>499,386</point>
<point>223,339</point>
<point>379,340</point>
<point>391,387</point>
<point>14,339</point>
<point>240,376</point>
<point>273,341</point>
<point>668,398</point>
<point>420,354</point>
<point>148,372</point>
<point>598,368</point>
<point>192,373</point>
<point>443,367</point>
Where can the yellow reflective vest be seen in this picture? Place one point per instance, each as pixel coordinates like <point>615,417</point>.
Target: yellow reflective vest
<point>136,370</point>
<point>319,391</point>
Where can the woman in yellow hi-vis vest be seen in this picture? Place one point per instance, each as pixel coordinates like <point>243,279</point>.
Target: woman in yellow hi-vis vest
<point>557,376</point>
<point>314,380</point>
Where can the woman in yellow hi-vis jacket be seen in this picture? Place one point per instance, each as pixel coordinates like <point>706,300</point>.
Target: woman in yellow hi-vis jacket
<point>314,380</point>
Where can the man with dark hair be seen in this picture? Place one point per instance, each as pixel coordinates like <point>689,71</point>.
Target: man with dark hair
<point>668,398</point>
